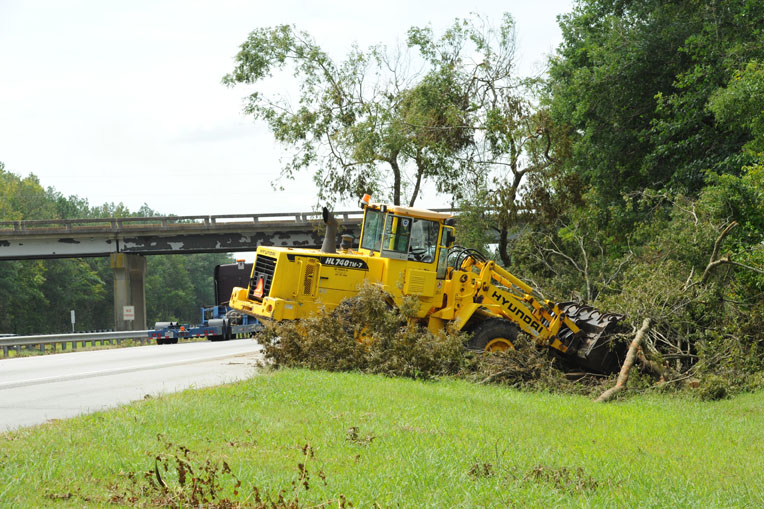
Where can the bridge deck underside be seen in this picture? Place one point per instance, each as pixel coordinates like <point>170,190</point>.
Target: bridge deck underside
<point>68,245</point>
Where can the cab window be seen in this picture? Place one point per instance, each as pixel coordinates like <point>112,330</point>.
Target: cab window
<point>424,240</point>
<point>373,224</point>
<point>395,243</point>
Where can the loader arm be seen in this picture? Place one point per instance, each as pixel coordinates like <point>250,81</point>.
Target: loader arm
<point>503,294</point>
<point>580,333</point>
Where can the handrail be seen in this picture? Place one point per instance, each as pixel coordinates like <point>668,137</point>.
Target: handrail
<point>71,337</point>
<point>211,221</point>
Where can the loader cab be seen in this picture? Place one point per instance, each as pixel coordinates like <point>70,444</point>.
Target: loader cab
<point>403,233</point>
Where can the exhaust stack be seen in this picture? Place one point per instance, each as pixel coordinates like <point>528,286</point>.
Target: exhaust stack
<point>330,238</point>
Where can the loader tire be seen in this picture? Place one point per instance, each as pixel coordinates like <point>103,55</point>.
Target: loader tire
<point>493,335</point>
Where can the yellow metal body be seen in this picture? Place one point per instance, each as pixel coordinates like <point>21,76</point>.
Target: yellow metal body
<point>298,283</point>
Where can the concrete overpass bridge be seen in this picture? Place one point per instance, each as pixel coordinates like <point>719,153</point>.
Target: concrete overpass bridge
<point>78,238</point>
<point>127,240</point>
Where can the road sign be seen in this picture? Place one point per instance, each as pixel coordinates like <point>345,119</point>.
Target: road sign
<point>72,320</point>
<point>128,312</point>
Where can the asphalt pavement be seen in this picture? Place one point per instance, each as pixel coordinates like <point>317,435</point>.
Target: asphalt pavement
<point>36,389</point>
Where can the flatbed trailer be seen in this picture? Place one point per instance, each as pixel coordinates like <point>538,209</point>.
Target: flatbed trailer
<point>166,333</point>
<point>219,322</point>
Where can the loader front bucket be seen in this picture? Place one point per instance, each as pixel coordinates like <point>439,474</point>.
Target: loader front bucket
<point>595,346</point>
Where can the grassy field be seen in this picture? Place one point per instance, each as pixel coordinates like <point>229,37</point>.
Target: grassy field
<point>367,439</point>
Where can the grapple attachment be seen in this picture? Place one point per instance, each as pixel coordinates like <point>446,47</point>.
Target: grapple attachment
<point>594,346</point>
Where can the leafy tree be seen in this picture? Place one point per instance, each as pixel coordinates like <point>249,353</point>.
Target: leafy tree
<point>741,103</point>
<point>21,287</point>
<point>169,292</point>
<point>444,109</point>
<point>633,80</point>
<point>74,284</point>
<point>5,205</point>
<point>68,207</point>
<point>201,269</point>
<point>22,198</point>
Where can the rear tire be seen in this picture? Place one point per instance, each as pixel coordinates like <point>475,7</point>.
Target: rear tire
<point>494,335</point>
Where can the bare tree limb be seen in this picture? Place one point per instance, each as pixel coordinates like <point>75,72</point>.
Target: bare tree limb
<point>714,261</point>
<point>623,376</point>
<point>583,271</point>
<point>746,266</point>
<point>618,269</point>
<point>687,283</point>
<point>586,269</point>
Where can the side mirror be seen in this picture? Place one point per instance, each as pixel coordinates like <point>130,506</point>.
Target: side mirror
<point>449,236</point>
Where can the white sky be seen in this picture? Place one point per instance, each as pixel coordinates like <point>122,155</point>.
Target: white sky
<point>121,101</point>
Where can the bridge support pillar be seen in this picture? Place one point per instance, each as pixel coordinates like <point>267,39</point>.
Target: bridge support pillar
<point>129,290</point>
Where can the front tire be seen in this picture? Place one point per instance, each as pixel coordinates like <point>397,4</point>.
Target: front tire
<point>494,335</point>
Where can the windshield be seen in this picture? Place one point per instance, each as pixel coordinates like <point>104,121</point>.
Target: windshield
<point>373,223</point>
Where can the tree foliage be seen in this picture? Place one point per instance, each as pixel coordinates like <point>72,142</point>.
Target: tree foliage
<point>740,103</point>
<point>654,208</point>
<point>650,197</point>
<point>634,79</point>
<point>443,109</point>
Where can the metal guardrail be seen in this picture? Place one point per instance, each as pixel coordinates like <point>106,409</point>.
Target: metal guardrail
<point>119,223</point>
<point>41,340</point>
<point>131,223</point>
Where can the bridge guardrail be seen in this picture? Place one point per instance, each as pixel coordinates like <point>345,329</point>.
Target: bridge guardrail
<point>118,223</point>
<point>211,221</point>
<point>42,340</point>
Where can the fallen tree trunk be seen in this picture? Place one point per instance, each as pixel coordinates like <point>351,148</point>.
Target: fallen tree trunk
<point>623,375</point>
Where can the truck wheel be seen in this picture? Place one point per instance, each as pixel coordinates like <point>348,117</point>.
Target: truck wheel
<point>493,335</point>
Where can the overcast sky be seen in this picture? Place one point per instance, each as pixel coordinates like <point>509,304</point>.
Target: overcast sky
<point>121,101</point>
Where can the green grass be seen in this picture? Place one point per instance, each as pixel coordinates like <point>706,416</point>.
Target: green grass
<point>437,444</point>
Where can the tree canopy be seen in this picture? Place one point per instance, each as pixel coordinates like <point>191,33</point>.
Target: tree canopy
<point>446,109</point>
<point>655,201</point>
<point>634,80</point>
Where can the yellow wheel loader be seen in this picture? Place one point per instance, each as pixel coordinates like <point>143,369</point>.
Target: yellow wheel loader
<point>410,251</point>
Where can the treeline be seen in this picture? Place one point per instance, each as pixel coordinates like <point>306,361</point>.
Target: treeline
<point>36,296</point>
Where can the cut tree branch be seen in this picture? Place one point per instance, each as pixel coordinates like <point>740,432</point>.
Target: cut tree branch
<point>715,260</point>
<point>744,266</point>
<point>623,376</point>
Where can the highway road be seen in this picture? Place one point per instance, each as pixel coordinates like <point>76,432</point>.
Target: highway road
<point>36,389</point>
